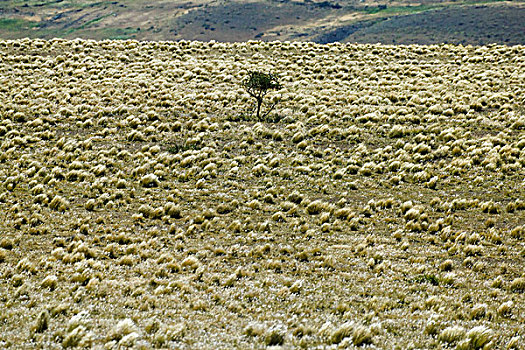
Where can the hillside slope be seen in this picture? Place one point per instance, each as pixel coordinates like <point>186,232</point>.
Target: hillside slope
<point>466,25</point>
<point>382,202</point>
<point>402,22</point>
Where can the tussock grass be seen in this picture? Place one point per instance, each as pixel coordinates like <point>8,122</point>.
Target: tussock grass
<point>143,207</point>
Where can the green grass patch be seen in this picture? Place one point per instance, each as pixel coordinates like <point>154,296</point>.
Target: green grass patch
<point>433,280</point>
<point>482,2</point>
<point>395,10</point>
<point>86,4</point>
<point>387,10</point>
<point>182,147</point>
<point>95,20</point>
<point>101,33</point>
<point>87,24</point>
<point>15,24</point>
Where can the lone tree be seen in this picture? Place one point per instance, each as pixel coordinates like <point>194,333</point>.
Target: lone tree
<point>258,84</point>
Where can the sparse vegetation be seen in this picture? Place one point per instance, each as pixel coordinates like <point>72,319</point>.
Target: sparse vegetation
<point>384,210</point>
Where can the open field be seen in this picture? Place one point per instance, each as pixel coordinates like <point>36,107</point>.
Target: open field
<point>401,22</point>
<point>381,204</point>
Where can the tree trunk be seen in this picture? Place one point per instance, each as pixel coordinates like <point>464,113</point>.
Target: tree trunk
<point>259,103</point>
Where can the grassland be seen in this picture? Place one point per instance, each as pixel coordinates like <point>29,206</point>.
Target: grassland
<point>382,204</point>
<point>400,22</point>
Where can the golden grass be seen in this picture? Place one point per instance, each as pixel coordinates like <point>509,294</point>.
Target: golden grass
<point>143,207</point>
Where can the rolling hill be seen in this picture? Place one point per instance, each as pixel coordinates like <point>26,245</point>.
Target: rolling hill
<point>404,22</point>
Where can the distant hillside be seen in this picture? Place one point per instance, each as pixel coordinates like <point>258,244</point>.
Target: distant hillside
<point>475,24</point>
<point>364,21</point>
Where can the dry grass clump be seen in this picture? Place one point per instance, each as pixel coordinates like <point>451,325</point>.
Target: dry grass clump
<point>350,332</point>
<point>518,285</point>
<point>50,282</point>
<point>452,334</point>
<point>77,331</point>
<point>317,207</point>
<point>168,333</point>
<point>505,309</point>
<point>274,336</point>
<point>135,185</point>
<point>477,338</point>
<point>42,322</point>
<point>122,329</point>
<point>514,343</point>
<point>59,203</point>
<point>150,180</point>
<point>518,232</point>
